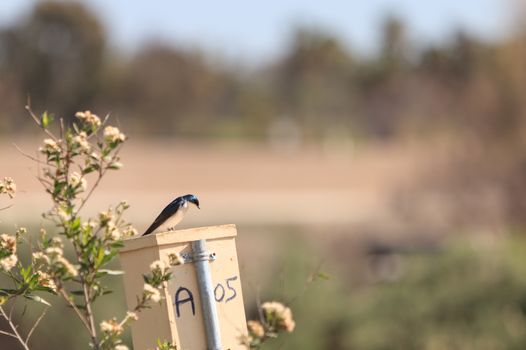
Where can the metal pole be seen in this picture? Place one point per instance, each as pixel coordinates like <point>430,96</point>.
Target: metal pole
<point>204,279</point>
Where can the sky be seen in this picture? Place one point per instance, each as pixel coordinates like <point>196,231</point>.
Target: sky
<point>259,30</point>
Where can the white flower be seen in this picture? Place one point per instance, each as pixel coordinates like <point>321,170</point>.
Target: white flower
<point>88,118</point>
<point>75,179</point>
<point>8,262</point>
<point>111,326</point>
<point>112,134</point>
<point>62,214</point>
<point>175,259</point>
<point>82,141</point>
<point>116,235</point>
<point>39,256</point>
<point>8,186</point>
<point>120,347</point>
<point>45,280</point>
<point>57,241</point>
<point>132,315</point>
<point>148,288</point>
<point>273,307</point>
<point>8,242</point>
<point>158,265</point>
<point>156,297</point>
<point>112,231</point>
<point>88,225</point>
<point>94,155</point>
<point>105,326</point>
<point>50,146</point>
<point>129,231</point>
<point>116,165</point>
<point>54,251</point>
<point>288,324</point>
<point>105,217</point>
<point>255,328</point>
<point>70,269</point>
<point>152,293</point>
<point>282,315</point>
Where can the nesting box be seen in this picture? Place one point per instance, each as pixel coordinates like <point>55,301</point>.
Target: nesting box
<point>179,318</point>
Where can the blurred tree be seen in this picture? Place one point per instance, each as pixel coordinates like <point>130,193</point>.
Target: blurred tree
<point>165,90</point>
<point>314,80</point>
<point>384,83</point>
<point>394,44</point>
<point>54,56</point>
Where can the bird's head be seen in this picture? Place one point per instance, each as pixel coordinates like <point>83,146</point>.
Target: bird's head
<point>192,199</point>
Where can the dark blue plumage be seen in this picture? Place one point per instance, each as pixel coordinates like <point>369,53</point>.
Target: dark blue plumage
<point>173,213</point>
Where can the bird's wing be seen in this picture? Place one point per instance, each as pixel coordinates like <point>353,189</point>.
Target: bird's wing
<point>165,214</point>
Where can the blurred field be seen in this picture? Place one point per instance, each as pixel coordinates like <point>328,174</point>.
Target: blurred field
<point>241,183</point>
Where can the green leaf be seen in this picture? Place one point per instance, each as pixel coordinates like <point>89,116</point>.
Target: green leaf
<point>76,224</point>
<point>37,299</point>
<point>9,292</point>
<point>117,244</point>
<point>323,276</point>
<point>115,166</point>
<point>59,185</point>
<point>112,272</point>
<point>26,273</point>
<point>77,292</point>
<point>46,119</point>
<point>147,279</point>
<point>99,257</point>
<point>108,256</point>
<point>80,306</point>
<point>88,169</point>
<point>5,254</point>
<point>45,289</point>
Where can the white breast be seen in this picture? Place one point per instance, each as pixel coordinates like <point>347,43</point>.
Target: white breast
<point>169,224</point>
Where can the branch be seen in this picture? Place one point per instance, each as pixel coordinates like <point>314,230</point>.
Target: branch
<point>36,324</point>
<point>260,311</point>
<point>62,128</point>
<point>9,206</point>
<point>102,169</point>
<point>9,334</point>
<point>102,172</point>
<point>13,328</point>
<point>37,121</point>
<point>105,119</point>
<point>74,307</point>
<point>28,155</point>
<point>89,314</point>
<point>12,308</point>
<point>95,185</point>
<point>308,281</point>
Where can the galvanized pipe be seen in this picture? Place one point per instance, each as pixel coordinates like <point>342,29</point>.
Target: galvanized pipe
<point>208,304</point>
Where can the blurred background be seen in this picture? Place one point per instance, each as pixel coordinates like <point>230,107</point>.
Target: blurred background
<point>372,154</point>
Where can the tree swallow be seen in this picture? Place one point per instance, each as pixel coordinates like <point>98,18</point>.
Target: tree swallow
<point>172,214</point>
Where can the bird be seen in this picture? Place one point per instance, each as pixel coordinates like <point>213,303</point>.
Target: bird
<point>172,214</point>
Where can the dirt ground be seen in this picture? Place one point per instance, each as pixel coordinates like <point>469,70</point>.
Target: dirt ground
<point>243,183</point>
